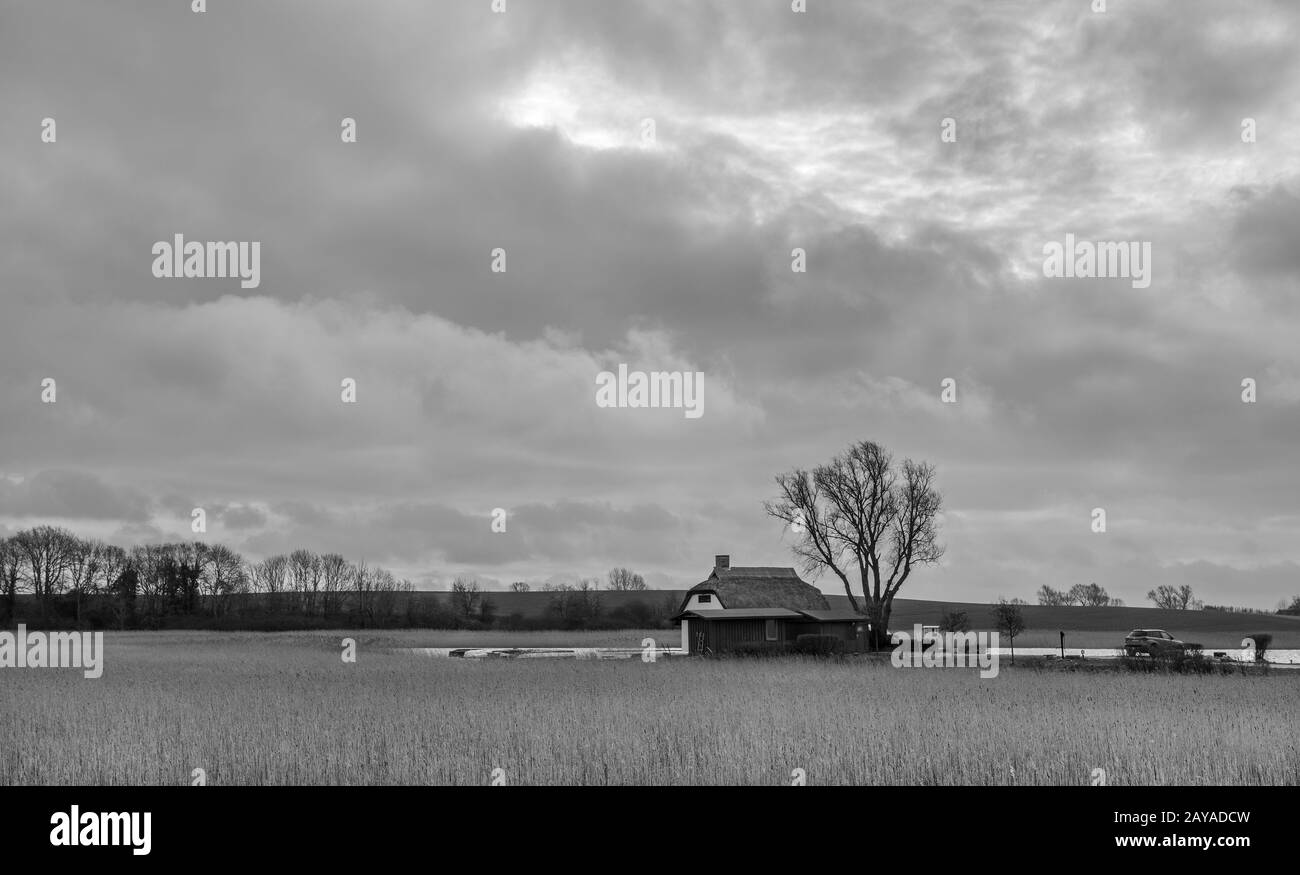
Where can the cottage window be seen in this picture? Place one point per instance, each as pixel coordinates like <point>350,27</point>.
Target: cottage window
<point>705,599</point>
<point>771,630</point>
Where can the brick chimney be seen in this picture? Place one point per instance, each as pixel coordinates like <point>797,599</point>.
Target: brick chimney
<point>722,560</point>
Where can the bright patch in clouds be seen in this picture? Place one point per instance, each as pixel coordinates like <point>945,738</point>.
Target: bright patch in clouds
<point>579,103</point>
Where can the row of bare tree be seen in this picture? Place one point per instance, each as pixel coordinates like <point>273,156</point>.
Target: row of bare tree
<point>1084,594</point>
<point>620,580</point>
<point>66,574</point>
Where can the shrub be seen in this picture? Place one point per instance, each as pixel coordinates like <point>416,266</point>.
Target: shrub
<point>514,621</point>
<point>1189,662</point>
<point>636,614</point>
<point>954,621</point>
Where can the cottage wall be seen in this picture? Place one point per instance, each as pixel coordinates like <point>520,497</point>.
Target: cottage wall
<point>724,635</point>
<point>694,603</point>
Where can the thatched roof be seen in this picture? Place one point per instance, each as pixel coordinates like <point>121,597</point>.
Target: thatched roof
<point>754,571</point>
<point>761,587</point>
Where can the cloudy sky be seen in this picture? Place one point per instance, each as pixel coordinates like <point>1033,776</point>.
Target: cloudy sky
<point>772,130</point>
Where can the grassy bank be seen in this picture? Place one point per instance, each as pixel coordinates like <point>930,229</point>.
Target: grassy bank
<point>272,709</point>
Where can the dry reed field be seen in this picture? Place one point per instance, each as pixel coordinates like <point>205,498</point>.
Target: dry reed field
<point>284,709</point>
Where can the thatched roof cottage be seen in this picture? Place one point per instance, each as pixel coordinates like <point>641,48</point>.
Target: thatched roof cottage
<point>760,607</point>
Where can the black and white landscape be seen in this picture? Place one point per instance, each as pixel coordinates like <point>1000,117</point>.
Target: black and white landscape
<point>601,392</point>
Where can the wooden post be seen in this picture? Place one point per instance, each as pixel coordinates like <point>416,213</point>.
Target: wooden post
<point>1062,645</point>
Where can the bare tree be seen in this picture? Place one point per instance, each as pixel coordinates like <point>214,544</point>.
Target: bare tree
<point>861,513</point>
<point>362,578</point>
<point>83,568</point>
<point>11,561</point>
<point>149,561</point>
<point>222,574</point>
<point>487,610</point>
<point>1010,621</point>
<point>271,576</point>
<point>334,578</point>
<point>519,586</point>
<point>124,584</point>
<point>1053,597</point>
<point>623,580</point>
<point>384,594</point>
<point>183,575</point>
<point>465,597</point>
<point>167,576</point>
<point>588,601</point>
<point>1090,595</point>
<point>47,552</point>
<point>575,606</point>
<point>305,568</point>
<point>1174,598</point>
<point>560,604</point>
<point>112,562</point>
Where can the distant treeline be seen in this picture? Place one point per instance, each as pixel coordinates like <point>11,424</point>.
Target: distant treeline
<point>1291,611</point>
<point>51,578</point>
<point>1166,596</point>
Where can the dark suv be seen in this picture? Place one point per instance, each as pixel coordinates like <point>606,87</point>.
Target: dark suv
<point>1154,642</point>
